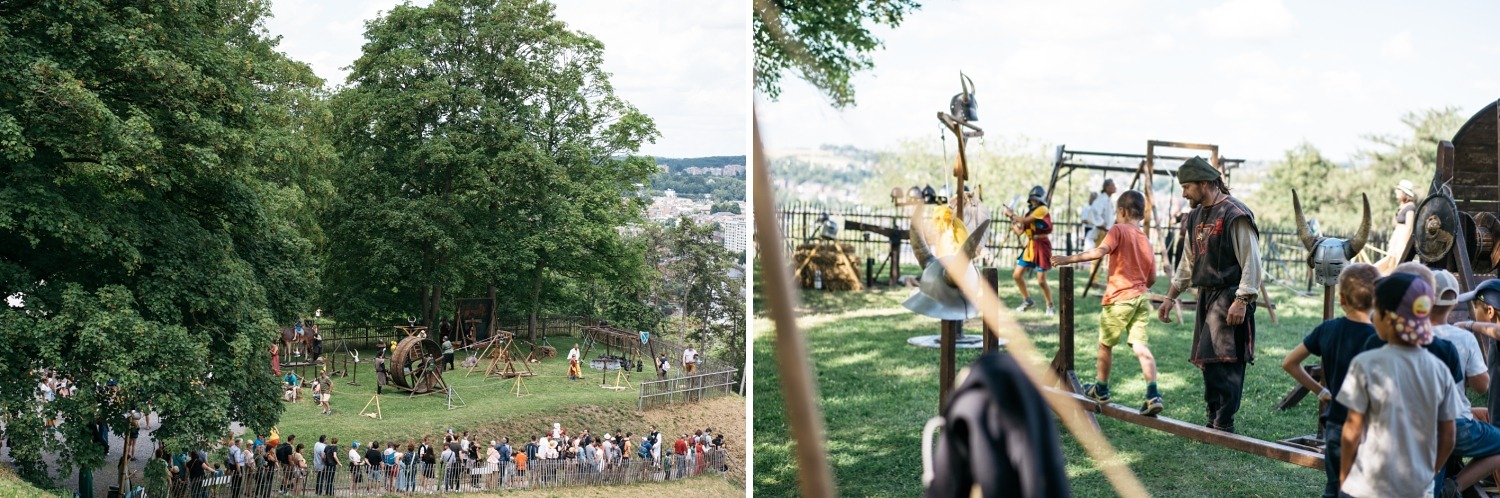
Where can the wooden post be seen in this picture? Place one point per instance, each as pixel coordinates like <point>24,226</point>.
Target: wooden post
<point>1327,302</point>
<point>991,336</point>
<point>946,367</point>
<point>1063,362</point>
<point>895,275</point>
<point>869,273</point>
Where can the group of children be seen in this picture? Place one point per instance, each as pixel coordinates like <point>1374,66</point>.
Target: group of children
<point>1396,371</point>
<point>1395,368</point>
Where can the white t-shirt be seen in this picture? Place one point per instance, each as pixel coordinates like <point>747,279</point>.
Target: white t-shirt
<point>354,457</point>
<point>1104,211</point>
<point>1471,362</point>
<point>573,354</point>
<point>1394,386</point>
<point>318,456</point>
<point>689,356</point>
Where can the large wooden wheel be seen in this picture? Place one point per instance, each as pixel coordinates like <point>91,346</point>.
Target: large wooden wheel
<point>416,365</point>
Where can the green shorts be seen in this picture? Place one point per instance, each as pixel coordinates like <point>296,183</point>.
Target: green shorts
<point>1130,314</point>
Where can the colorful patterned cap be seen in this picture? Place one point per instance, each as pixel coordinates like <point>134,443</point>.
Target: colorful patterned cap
<point>1410,297</point>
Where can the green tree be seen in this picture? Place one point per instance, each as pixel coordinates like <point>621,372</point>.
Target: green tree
<point>156,164</point>
<point>1411,156</point>
<point>725,207</point>
<point>823,42</point>
<point>484,151</point>
<point>1305,169</point>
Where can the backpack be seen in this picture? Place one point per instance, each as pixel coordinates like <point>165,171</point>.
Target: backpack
<point>328,456</point>
<point>390,459</point>
<point>998,434</point>
<point>645,451</point>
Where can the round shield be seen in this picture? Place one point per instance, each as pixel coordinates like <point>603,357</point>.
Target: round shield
<point>1437,226</point>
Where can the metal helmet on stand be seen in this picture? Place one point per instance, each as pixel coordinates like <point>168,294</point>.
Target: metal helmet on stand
<point>938,296</point>
<point>963,107</point>
<point>1328,256</point>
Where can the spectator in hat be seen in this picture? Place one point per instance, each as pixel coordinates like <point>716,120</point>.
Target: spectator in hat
<point>1404,223</point>
<point>1400,425</point>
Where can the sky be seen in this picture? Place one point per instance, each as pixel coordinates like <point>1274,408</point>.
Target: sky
<point>1256,77</point>
<point>682,62</point>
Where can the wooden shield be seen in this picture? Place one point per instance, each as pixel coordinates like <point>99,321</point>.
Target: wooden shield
<point>1437,226</point>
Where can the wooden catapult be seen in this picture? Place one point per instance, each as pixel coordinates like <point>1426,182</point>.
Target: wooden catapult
<point>503,358</point>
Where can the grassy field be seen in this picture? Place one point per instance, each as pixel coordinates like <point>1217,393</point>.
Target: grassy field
<point>492,410</point>
<point>877,392</point>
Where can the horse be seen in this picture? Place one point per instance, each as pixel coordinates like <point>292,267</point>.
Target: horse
<point>291,343</point>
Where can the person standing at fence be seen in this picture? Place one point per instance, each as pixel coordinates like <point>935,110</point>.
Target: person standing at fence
<point>450,469</point>
<point>689,360</point>
<point>662,367</point>
<point>330,466</point>
<point>1036,228</point>
<point>284,459</point>
<point>235,462</point>
<point>1222,260</point>
<point>356,466</point>
<point>299,471</point>
<point>317,462</point>
<point>374,464</point>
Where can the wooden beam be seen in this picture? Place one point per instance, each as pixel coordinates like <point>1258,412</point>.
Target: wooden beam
<point>1268,449</point>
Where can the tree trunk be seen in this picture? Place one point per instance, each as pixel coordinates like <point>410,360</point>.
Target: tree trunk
<point>437,303</point>
<point>426,310</point>
<point>493,332</point>
<point>536,299</point>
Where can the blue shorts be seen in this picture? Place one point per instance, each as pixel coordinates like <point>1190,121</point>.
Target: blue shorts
<point>1029,265</point>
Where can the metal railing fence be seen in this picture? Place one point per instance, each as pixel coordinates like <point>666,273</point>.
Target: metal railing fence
<point>461,477</point>
<point>686,389</point>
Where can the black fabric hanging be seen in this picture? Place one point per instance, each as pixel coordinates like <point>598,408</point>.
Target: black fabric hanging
<point>998,434</point>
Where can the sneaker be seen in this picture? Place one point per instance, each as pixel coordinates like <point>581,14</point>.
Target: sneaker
<point>1051,311</point>
<point>1025,305</point>
<point>1152,407</point>
<point>1096,393</point>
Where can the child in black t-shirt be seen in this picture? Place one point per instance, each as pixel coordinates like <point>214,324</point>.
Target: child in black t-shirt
<point>1336,342</point>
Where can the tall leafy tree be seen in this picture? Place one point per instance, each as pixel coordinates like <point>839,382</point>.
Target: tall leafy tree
<point>155,159</point>
<point>823,42</point>
<point>484,151</point>
<point>1304,168</point>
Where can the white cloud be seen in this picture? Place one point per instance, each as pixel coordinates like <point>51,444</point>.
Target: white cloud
<point>1398,47</point>
<point>1247,19</point>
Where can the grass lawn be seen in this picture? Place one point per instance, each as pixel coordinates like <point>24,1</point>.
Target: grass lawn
<point>877,392</point>
<point>493,411</point>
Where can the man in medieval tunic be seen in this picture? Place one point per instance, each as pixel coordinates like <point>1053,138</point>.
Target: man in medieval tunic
<point>1222,260</point>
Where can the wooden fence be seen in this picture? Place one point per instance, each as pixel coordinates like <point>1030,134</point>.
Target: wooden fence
<point>1282,256</point>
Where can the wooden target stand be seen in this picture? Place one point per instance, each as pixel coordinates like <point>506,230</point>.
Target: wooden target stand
<point>1064,364</point>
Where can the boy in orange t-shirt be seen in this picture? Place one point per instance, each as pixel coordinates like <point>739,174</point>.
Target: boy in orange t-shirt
<point>1127,297</point>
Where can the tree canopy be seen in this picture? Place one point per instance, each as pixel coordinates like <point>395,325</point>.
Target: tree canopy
<point>158,162</point>
<point>1330,192</point>
<point>823,42</point>
<point>483,150</point>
